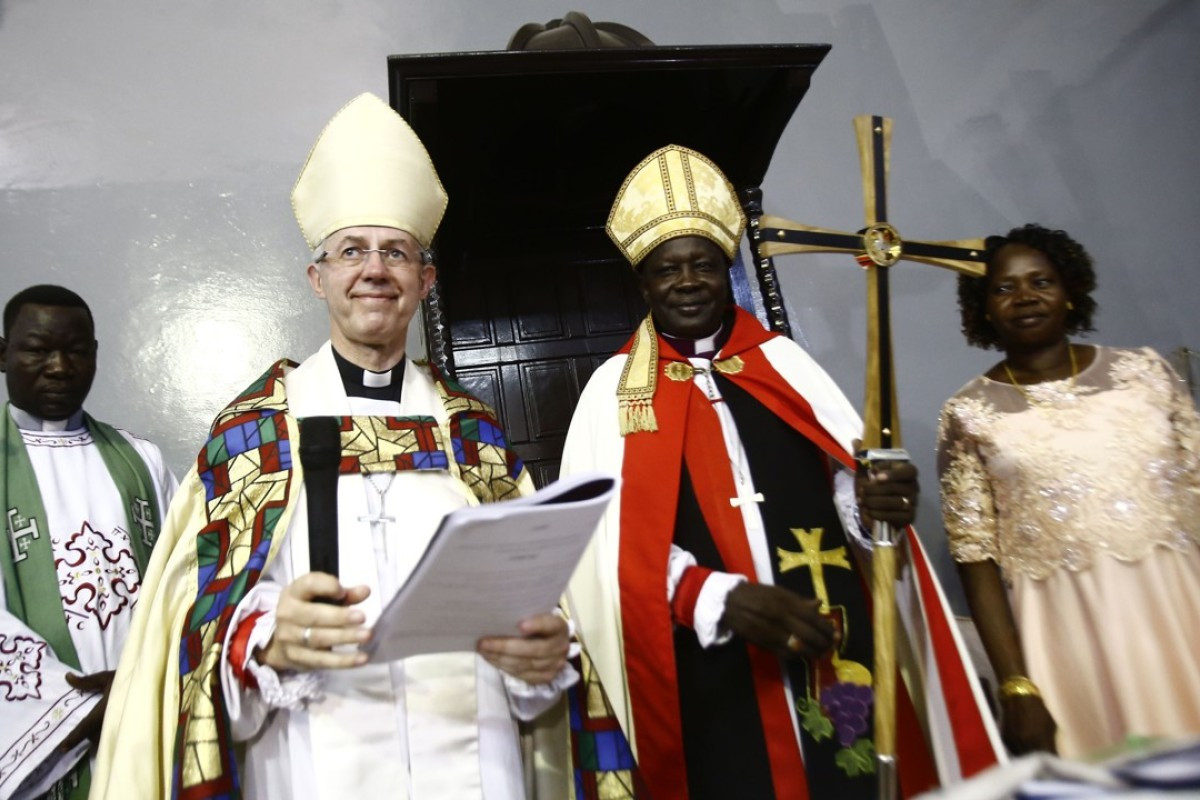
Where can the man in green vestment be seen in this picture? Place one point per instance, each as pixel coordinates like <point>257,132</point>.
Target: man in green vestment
<point>82,503</point>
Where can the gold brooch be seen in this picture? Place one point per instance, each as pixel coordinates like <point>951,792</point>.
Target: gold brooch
<point>679,371</point>
<point>729,366</point>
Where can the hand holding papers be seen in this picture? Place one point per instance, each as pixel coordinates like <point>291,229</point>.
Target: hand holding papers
<point>490,566</point>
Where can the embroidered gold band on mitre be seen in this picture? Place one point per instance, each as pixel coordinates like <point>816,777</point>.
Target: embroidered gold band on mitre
<point>639,379</point>
<point>673,192</point>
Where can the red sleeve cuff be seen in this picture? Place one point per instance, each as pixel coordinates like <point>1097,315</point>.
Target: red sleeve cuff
<point>237,650</point>
<point>683,605</point>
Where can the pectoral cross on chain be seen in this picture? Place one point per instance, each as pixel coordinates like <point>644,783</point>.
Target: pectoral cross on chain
<point>740,500</point>
<point>709,387</point>
<point>380,518</point>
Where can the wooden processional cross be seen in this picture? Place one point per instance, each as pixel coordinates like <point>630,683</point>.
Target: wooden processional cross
<point>877,247</point>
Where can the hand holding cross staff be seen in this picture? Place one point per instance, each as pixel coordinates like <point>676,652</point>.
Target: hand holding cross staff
<point>886,504</point>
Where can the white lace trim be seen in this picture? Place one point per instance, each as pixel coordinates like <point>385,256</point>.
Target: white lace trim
<point>292,690</point>
<point>565,679</point>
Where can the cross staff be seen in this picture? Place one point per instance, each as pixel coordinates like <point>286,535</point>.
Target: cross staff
<point>877,247</point>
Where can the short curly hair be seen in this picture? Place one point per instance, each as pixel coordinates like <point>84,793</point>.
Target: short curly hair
<point>1074,267</point>
<point>43,294</point>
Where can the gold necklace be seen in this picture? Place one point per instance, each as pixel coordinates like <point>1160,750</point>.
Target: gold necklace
<point>1013,378</point>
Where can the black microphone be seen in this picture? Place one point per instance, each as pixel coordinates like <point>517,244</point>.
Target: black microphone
<point>320,454</point>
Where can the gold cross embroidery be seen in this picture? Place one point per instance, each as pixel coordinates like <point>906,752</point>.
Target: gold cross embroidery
<point>812,556</point>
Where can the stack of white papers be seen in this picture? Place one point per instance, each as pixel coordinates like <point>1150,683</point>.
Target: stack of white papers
<point>490,566</point>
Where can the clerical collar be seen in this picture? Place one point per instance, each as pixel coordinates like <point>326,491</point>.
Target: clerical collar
<point>28,422</point>
<point>359,382</point>
<point>707,347</point>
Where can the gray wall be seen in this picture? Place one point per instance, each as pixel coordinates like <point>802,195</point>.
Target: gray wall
<point>147,151</point>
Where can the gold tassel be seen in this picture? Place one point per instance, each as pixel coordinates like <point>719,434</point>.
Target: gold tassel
<point>636,416</point>
<point>635,390</point>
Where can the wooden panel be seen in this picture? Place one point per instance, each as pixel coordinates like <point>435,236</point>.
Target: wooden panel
<point>607,309</point>
<point>484,383</point>
<point>473,319</point>
<point>551,324</point>
<point>543,472</point>
<point>546,383</point>
<point>537,312</point>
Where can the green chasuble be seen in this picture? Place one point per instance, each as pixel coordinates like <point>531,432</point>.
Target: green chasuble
<point>31,586</point>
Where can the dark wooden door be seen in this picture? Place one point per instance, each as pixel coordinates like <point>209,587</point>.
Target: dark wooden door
<point>532,148</point>
<point>527,333</point>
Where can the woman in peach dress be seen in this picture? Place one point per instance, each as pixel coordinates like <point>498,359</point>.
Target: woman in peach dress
<point>1071,497</point>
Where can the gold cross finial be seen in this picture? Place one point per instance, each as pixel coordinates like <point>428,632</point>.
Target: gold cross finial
<point>880,246</point>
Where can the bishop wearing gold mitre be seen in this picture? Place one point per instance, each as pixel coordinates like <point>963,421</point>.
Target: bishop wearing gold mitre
<point>724,600</point>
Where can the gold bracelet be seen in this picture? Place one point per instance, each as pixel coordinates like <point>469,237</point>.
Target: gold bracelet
<point>1018,686</point>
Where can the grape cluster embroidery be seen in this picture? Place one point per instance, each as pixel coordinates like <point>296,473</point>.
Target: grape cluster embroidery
<point>843,710</point>
<point>843,706</point>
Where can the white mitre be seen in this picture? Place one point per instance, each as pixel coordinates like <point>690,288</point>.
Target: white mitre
<point>368,168</point>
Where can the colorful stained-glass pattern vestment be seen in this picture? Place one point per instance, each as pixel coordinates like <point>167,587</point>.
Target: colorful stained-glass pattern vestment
<point>223,532</point>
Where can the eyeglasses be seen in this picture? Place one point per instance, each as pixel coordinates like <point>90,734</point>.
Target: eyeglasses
<point>393,257</point>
